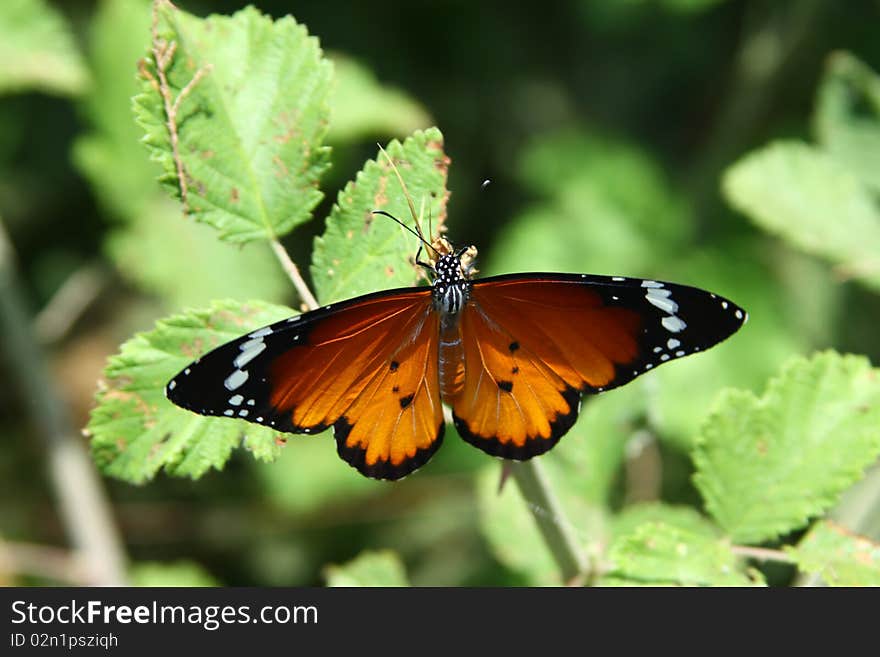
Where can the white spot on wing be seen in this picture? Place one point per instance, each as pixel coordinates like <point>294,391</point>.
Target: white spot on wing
<point>660,299</point>
<point>672,343</point>
<point>260,333</point>
<point>236,379</point>
<point>243,412</point>
<point>228,411</point>
<point>616,278</point>
<point>673,324</point>
<point>739,314</point>
<point>664,357</point>
<point>651,284</point>
<point>246,357</point>
<point>172,385</point>
<point>236,400</point>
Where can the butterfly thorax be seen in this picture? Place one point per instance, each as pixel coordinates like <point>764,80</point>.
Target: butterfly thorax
<point>451,286</point>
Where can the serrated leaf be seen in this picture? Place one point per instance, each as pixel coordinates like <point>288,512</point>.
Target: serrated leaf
<point>812,201</point>
<point>135,431</point>
<point>659,553</point>
<point>176,573</point>
<point>109,154</point>
<point>684,518</point>
<point>37,50</point>
<point>766,465</point>
<point>837,556</point>
<point>361,106</point>
<point>360,252</point>
<point>369,568</point>
<point>847,120</point>
<point>251,124</point>
<point>158,247</point>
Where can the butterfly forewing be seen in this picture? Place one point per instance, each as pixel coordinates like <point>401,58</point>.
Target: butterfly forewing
<point>534,342</point>
<point>367,367</point>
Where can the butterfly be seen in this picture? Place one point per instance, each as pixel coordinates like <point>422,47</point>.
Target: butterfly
<point>512,356</point>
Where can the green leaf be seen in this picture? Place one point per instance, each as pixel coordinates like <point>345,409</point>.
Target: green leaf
<point>847,120</point>
<point>684,518</point>
<point>109,154</point>
<point>250,126</point>
<point>766,465</point>
<point>659,553</point>
<point>370,568</point>
<point>837,556</point>
<point>361,107</point>
<point>310,475</point>
<point>157,250</point>
<point>38,51</point>
<point>812,201</point>
<point>176,573</point>
<point>360,252</point>
<point>135,431</point>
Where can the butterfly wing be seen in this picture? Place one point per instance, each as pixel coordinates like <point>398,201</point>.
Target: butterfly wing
<point>367,367</point>
<point>534,343</point>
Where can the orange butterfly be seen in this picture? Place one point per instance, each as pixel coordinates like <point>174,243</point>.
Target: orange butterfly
<point>511,355</point>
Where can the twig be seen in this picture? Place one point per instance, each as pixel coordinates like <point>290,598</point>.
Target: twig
<point>83,507</point>
<point>51,563</point>
<point>558,532</point>
<point>761,554</point>
<point>292,270</point>
<point>68,304</point>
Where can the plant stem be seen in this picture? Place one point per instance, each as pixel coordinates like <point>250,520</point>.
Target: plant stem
<point>554,527</point>
<point>292,271</point>
<point>761,554</point>
<point>83,507</point>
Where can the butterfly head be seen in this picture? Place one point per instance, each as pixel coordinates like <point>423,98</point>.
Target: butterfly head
<point>452,273</point>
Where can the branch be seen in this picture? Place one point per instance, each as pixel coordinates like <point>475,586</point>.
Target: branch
<point>559,534</point>
<point>761,554</point>
<point>83,507</point>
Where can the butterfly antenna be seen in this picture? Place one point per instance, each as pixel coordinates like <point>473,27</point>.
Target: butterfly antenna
<point>403,225</point>
<point>412,208</point>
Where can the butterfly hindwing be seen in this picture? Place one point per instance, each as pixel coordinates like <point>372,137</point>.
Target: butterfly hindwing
<point>534,343</point>
<point>366,366</point>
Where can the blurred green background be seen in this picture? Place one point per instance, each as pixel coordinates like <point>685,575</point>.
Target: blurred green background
<point>605,128</point>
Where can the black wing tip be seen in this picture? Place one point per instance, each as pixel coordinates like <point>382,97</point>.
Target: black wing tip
<point>533,445</point>
<point>356,457</point>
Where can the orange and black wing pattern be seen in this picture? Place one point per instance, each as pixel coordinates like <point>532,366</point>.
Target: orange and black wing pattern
<point>368,367</point>
<point>533,343</point>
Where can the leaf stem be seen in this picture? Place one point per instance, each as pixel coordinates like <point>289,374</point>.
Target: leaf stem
<point>761,554</point>
<point>292,270</point>
<point>558,532</point>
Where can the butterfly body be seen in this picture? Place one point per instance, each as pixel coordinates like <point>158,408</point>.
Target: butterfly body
<point>511,355</point>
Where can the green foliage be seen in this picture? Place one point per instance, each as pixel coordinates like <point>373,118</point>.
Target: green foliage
<point>370,568</point>
<point>135,431</point>
<point>610,210</point>
<point>361,107</point>
<point>847,119</point>
<point>663,554</point>
<point>345,258</point>
<point>176,573</point>
<point>250,123</point>
<point>145,255</point>
<point>822,198</point>
<point>766,465</point>
<point>837,556</point>
<point>38,51</point>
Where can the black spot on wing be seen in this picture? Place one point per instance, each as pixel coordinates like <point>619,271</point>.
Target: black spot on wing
<point>506,386</point>
<point>534,445</point>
